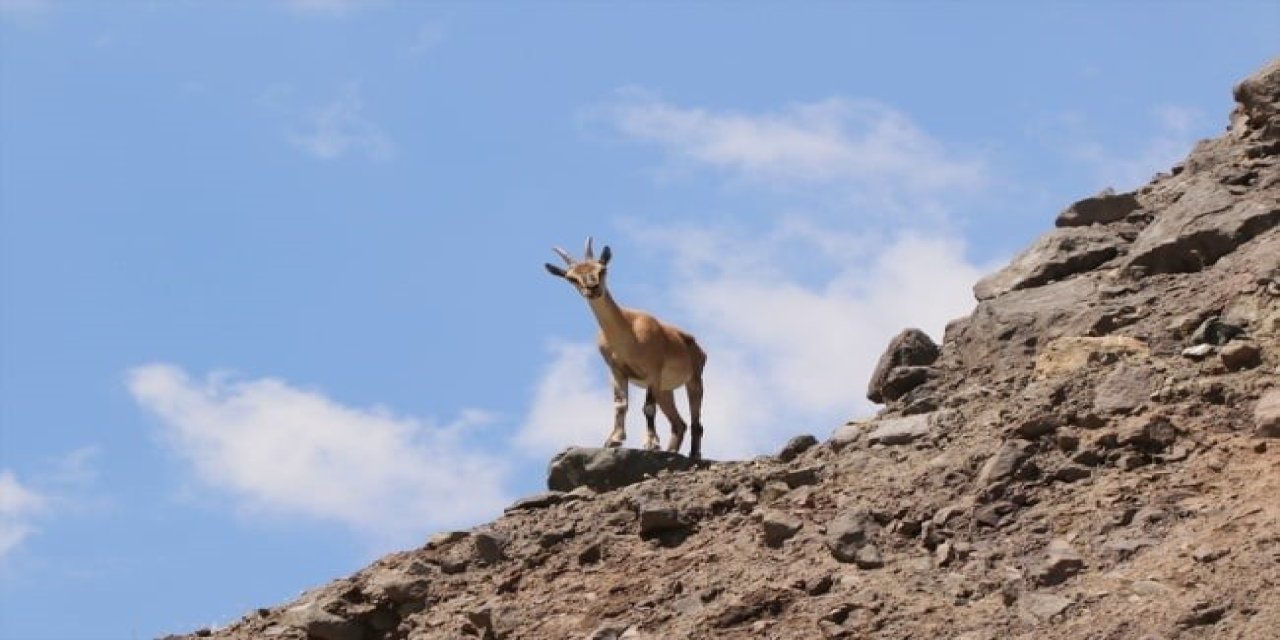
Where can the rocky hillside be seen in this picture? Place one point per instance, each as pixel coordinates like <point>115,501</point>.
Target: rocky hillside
<point>1093,453</point>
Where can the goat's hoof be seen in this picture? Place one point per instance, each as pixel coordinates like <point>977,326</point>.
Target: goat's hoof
<point>613,444</point>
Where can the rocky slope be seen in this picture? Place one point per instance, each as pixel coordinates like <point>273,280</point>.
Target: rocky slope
<point>1092,453</point>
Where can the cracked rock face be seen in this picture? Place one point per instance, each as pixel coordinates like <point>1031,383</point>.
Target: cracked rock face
<point>1056,468</point>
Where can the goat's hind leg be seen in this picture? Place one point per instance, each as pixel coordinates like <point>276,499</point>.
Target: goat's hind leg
<point>694,388</point>
<point>667,402</point>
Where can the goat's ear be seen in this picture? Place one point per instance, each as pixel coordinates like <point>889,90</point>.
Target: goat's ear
<point>605,255</point>
<point>555,271</point>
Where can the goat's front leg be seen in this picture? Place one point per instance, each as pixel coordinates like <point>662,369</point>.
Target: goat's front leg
<point>650,414</point>
<point>619,434</point>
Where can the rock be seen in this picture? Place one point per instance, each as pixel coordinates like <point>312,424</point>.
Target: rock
<point>1040,607</point>
<point>868,557</point>
<point>320,624</point>
<point>1125,389</point>
<point>897,431</point>
<point>1240,355</point>
<point>1202,613</point>
<point>398,586</point>
<point>1070,354</point>
<point>1036,426</point>
<point>1063,561</point>
<point>1198,352</point>
<point>658,517</point>
<point>1258,101</point>
<point>849,532</point>
<point>1215,332</point>
<point>446,538</point>
<point>1209,554</point>
<point>778,527</point>
<point>1148,433</point>
<point>490,546</point>
<point>1057,255</point>
<point>605,469</point>
<point>1104,208</point>
<point>911,347</point>
<point>847,434</point>
<point>1266,415</point>
<point>537,501</point>
<point>903,380</point>
<point>1206,223</point>
<point>1071,473</point>
<point>796,446</point>
<point>1005,461</point>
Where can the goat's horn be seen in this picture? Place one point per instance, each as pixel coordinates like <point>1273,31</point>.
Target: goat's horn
<point>564,255</point>
<point>588,253</point>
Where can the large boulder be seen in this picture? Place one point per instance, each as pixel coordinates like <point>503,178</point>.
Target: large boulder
<point>1206,223</point>
<point>1057,255</point>
<point>1104,208</point>
<point>611,468</point>
<point>911,348</point>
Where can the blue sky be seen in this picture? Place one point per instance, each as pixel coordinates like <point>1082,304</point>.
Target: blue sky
<point>271,272</point>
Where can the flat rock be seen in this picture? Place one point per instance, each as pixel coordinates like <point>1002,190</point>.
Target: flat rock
<point>1041,607</point>
<point>1206,223</point>
<point>1266,415</point>
<point>1005,461</point>
<point>1070,354</point>
<point>1057,255</point>
<point>897,431</point>
<point>320,624</point>
<point>605,469</point>
<point>1104,208</point>
<point>537,501</point>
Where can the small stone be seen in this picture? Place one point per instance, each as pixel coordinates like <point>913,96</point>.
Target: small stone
<point>1041,607</point>
<point>1215,332</point>
<point>1071,473</point>
<point>778,527</point>
<point>868,557</point>
<point>992,514</point>
<point>795,478</point>
<point>1149,434</point>
<point>1240,355</point>
<point>591,555</point>
<point>1036,427</point>
<point>1208,554</point>
<point>773,491</point>
<point>1063,561</point>
<point>1005,461</point>
<point>489,546</point>
<point>796,446</point>
<point>849,532</point>
<point>1202,614</point>
<point>1198,352</point>
<point>656,518</point>
<point>446,538</point>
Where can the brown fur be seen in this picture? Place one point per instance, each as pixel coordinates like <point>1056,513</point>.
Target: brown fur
<point>642,350</point>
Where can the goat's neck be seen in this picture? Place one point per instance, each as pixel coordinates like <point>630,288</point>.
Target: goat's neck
<point>616,328</point>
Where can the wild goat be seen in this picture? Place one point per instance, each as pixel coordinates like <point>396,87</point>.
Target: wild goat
<point>643,350</point>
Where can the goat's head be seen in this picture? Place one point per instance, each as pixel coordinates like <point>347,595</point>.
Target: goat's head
<point>586,275</point>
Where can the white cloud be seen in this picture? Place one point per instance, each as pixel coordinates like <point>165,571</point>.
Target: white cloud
<point>572,404</point>
<point>1176,130</point>
<point>862,144</point>
<point>19,507</point>
<point>281,450</point>
<point>340,127</point>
